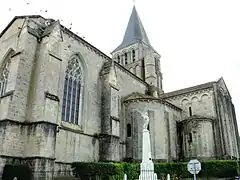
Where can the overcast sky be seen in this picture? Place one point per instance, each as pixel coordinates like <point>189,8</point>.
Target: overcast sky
<point>199,41</point>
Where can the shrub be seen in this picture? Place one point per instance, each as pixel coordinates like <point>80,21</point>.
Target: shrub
<point>102,169</point>
<point>214,169</point>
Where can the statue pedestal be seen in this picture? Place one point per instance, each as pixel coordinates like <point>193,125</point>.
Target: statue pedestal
<point>147,166</point>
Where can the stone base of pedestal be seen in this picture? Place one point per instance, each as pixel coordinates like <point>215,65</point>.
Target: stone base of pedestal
<point>147,171</point>
<point>148,176</point>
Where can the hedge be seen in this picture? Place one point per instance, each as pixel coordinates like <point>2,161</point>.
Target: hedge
<point>101,169</point>
<point>210,169</point>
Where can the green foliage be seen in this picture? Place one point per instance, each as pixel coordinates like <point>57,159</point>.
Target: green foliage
<point>65,178</point>
<point>102,169</point>
<point>107,171</point>
<point>220,169</point>
<point>178,170</point>
<point>132,170</point>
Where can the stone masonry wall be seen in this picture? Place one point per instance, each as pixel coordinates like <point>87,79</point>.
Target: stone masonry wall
<point>226,124</point>
<point>127,84</point>
<point>162,129</point>
<point>201,103</point>
<point>198,139</point>
<point>12,137</point>
<point>74,146</point>
<point>37,96</point>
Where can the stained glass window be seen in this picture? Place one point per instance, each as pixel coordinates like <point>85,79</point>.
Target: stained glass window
<point>4,77</point>
<point>72,92</point>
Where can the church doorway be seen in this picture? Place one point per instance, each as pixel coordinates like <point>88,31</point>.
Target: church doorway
<point>17,172</point>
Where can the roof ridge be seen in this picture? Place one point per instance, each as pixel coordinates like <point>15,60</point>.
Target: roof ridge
<point>188,89</point>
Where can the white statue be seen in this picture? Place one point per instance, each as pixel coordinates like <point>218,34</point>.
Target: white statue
<point>168,177</point>
<point>146,120</point>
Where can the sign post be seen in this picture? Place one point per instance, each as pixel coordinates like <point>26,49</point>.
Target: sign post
<point>194,167</point>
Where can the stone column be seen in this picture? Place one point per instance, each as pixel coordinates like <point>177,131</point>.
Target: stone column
<point>109,137</point>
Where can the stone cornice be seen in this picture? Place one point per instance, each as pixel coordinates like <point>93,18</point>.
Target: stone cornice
<point>77,131</point>
<point>25,122</point>
<point>28,157</point>
<point>115,118</point>
<point>104,135</point>
<point>197,118</point>
<point>16,54</point>
<point>152,100</point>
<point>55,56</point>
<point>9,93</point>
<point>51,96</point>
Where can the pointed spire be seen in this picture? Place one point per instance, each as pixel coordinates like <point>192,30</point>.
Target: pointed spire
<point>135,31</point>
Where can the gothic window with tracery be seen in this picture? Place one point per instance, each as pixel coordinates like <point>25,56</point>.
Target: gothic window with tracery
<point>72,92</point>
<point>4,76</point>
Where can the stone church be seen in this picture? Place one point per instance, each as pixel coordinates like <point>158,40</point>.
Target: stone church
<point>63,100</point>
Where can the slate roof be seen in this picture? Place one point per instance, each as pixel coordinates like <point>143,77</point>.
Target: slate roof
<point>141,96</point>
<point>136,95</point>
<point>188,90</point>
<point>135,32</point>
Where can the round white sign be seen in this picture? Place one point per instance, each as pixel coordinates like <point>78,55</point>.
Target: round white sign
<point>194,166</point>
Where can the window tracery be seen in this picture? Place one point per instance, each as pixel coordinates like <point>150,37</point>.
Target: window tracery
<point>4,76</point>
<point>72,92</point>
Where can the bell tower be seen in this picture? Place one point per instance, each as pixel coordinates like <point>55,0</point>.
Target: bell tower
<point>137,55</point>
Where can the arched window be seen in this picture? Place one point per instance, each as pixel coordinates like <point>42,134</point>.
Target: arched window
<point>190,111</point>
<point>126,60</point>
<point>129,130</point>
<point>5,71</point>
<point>72,91</point>
<point>190,137</point>
<point>133,55</point>
<point>118,59</point>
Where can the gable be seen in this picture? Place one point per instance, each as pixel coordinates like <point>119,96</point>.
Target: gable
<point>222,85</point>
<point>13,28</point>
